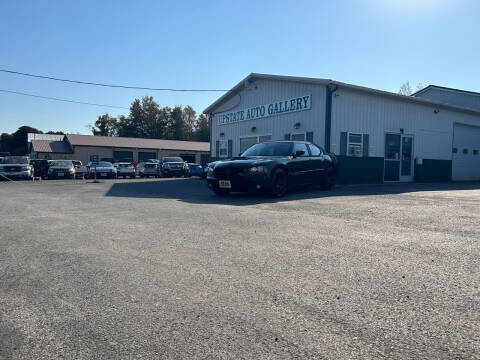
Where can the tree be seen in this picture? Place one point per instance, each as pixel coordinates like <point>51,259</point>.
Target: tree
<point>105,126</point>
<point>177,125</point>
<point>406,89</point>
<point>202,129</point>
<point>190,120</point>
<point>55,132</point>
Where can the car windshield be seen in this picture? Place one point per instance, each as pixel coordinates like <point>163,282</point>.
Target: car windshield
<point>104,164</point>
<point>269,149</point>
<point>173,159</point>
<point>76,162</point>
<point>64,163</point>
<point>15,160</point>
<point>150,165</point>
<point>124,165</point>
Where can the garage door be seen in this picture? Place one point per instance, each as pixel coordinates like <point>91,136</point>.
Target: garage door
<point>466,158</point>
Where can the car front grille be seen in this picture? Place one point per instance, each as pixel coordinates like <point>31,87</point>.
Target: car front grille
<point>227,173</point>
<point>13,168</point>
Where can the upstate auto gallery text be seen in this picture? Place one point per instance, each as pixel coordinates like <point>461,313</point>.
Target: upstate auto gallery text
<point>279,107</point>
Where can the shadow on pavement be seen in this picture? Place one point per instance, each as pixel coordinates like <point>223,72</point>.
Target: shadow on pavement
<point>195,190</point>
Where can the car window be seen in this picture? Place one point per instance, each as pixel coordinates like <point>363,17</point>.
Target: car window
<point>315,150</point>
<point>269,149</point>
<point>300,147</point>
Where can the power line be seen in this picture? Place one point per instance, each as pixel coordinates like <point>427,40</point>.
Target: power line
<point>109,85</point>
<point>64,100</point>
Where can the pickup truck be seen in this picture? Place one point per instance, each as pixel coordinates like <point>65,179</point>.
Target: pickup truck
<point>16,167</point>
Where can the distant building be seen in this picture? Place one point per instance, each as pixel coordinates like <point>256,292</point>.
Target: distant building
<point>81,147</point>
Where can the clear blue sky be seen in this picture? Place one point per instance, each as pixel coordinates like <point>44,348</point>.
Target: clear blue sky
<point>214,44</point>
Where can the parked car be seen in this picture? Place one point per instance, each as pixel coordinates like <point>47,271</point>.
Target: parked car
<point>125,169</point>
<point>274,167</point>
<point>16,167</point>
<point>194,169</point>
<point>81,170</point>
<point>61,169</point>
<point>147,169</point>
<point>40,167</point>
<point>104,169</point>
<point>173,166</point>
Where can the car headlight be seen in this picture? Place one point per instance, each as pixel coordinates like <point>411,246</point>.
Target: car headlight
<point>210,171</point>
<point>257,169</point>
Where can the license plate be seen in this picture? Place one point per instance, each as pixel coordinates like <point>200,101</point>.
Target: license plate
<point>103,174</point>
<point>61,174</point>
<point>225,184</point>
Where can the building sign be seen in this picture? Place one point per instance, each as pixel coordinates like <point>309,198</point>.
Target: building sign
<point>276,108</point>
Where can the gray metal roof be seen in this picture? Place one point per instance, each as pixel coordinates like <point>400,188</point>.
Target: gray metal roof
<point>318,81</point>
<point>51,146</point>
<point>445,88</point>
<point>139,143</point>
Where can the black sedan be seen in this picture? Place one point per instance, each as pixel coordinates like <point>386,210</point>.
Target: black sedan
<point>274,167</point>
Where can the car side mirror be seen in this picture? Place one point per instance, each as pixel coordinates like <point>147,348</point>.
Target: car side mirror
<point>299,153</point>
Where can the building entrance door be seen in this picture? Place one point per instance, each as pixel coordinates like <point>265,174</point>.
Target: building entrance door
<point>398,157</point>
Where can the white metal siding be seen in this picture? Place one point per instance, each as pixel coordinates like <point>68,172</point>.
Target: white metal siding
<point>466,166</point>
<point>262,92</point>
<point>375,115</point>
<point>451,97</point>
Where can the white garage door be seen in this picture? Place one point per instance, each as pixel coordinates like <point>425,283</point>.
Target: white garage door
<point>466,157</point>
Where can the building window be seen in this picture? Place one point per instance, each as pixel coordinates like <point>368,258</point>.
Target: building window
<point>248,141</point>
<point>297,137</point>
<point>454,150</point>
<point>355,144</point>
<point>465,151</point>
<point>222,148</point>
<point>263,138</point>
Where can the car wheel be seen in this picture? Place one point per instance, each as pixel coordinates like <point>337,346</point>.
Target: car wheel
<point>329,181</point>
<point>279,183</point>
<point>221,192</point>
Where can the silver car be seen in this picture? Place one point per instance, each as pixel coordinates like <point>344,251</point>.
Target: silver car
<point>16,167</point>
<point>104,169</point>
<point>125,169</point>
<point>147,169</point>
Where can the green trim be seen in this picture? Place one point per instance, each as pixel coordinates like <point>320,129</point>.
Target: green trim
<point>328,117</point>
<point>359,170</point>
<point>433,170</point>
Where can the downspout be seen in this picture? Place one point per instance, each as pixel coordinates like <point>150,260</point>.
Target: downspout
<point>331,88</point>
<point>210,117</point>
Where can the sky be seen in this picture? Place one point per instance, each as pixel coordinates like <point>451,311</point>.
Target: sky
<point>214,44</point>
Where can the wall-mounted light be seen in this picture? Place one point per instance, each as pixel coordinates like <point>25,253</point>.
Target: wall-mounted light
<point>436,111</point>
<point>254,128</point>
<point>222,134</point>
<point>297,125</point>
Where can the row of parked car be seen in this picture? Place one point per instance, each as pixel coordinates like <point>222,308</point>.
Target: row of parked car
<point>14,167</point>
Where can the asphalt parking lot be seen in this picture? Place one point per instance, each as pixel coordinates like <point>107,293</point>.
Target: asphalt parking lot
<point>163,268</point>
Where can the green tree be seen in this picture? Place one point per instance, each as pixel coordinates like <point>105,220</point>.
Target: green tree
<point>105,126</point>
<point>19,143</point>
<point>176,126</point>
<point>190,119</point>
<point>202,129</point>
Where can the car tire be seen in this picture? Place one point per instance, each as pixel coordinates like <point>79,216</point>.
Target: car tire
<point>279,185</point>
<point>329,181</point>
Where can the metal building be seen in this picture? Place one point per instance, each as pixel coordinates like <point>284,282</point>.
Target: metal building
<point>377,136</point>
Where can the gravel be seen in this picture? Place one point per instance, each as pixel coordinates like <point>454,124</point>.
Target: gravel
<point>165,269</point>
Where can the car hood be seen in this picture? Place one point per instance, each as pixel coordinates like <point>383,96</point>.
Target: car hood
<point>245,162</point>
<point>174,163</point>
<point>15,165</point>
<point>60,168</point>
<point>100,168</point>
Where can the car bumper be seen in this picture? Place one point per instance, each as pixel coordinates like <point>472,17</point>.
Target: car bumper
<point>174,171</point>
<point>66,175</point>
<point>132,173</point>
<point>243,184</point>
<point>16,174</point>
